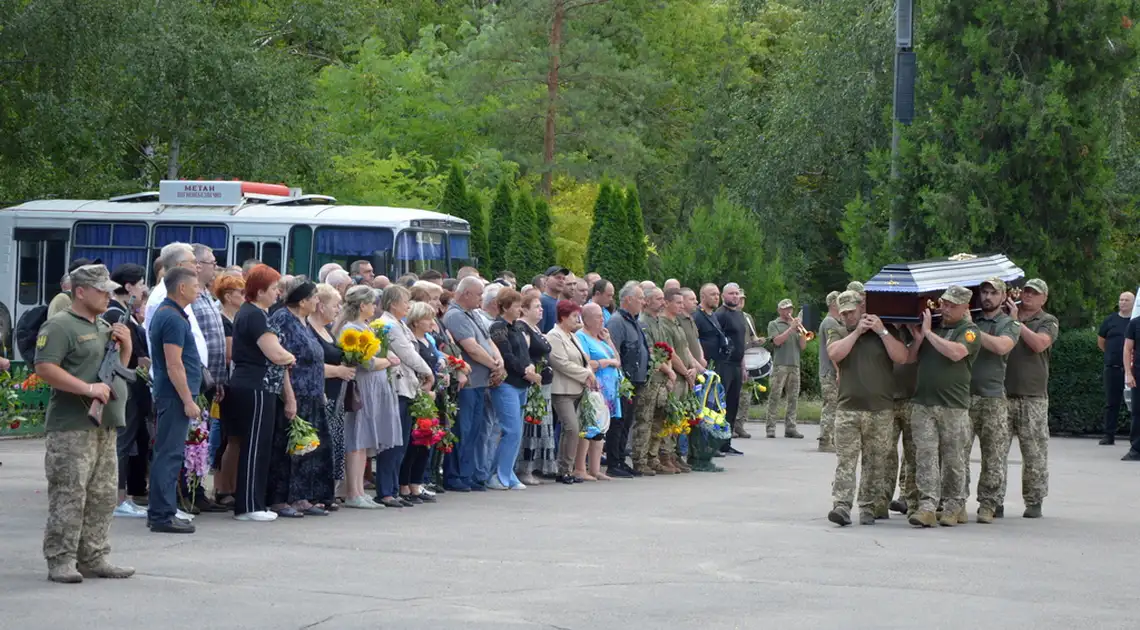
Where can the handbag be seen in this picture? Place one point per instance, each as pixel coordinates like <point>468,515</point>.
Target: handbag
<point>352,399</point>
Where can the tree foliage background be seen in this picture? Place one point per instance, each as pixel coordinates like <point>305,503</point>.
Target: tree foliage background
<point>770,117</point>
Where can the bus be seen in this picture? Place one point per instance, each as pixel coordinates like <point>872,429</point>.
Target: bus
<point>283,228</point>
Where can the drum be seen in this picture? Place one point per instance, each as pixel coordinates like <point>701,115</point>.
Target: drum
<point>757,363</point>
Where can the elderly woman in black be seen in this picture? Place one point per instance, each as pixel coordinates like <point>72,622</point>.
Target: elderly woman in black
<point>538,453</point>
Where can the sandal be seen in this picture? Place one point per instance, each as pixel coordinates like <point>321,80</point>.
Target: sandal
<point>289,512</point>
<point>391,502</point>
<point>315,511</point>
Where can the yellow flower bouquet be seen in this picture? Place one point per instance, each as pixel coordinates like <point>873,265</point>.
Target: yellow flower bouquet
<point>302,437</point>
<point>359,346</point>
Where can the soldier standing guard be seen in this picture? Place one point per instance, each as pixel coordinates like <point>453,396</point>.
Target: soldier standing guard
<point>784,331</point>
<point>864,409</point>
<point>988,409</point>
<point>827,384</point>
<point>1027,386</point>
<point>940,416</point>
<point>81,462</point>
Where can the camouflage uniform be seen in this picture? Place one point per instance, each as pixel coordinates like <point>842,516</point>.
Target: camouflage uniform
<point>80,460</point>
<point>902,472</point>
<point>827,384</point>
<point>651,405</point>
<point>988,408</point>
<point>1027,385</point>
<point>862,420</point>
<point>82,474</point>
<point>785,382</point>
<point>674,334</point>
<point>750,339</point>
<point>940,416</point>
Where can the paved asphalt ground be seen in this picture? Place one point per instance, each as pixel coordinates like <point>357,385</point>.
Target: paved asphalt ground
<point>748,548</point>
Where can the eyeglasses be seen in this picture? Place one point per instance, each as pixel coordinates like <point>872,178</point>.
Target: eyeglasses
<point>208,263</point>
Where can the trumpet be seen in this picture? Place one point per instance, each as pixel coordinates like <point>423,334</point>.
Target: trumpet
<point>807,334</point>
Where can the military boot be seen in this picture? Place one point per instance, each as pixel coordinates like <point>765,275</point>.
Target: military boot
<point>840,516</point>
<point>898,505</point>
<point>881,511</point>
<point>662,468</point>
<point>64,573</point>
<point>985,515</point>
<point>826,446</point>
<point>770,433</point>
<point>963,517</point>
<point>644,470</point>
<point>1032,511</point>
<point>948,519</point>
<point>866,517</point>
<point>680,464</point>
<point>923,518</point>
<point>105,569</point>
<point>999,511</point>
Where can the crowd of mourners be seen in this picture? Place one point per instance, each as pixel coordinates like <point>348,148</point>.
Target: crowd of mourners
<point>247,349</point>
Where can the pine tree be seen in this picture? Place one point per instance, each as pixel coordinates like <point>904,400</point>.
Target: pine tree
<point>545,233</point>
<point>604,244</point>
<point>475,215</point>
<point>523,254</point>
<point>637,265</point>
<point>458,202</point>
<point>499,234</point>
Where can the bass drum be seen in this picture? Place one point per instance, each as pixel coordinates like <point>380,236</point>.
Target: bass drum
<point>757,363</point>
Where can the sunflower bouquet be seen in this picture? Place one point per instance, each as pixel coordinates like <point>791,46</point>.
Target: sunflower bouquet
<point>302,437</point>
<point>359,346</point>
<point>679,412</point>
<point>383,332</point>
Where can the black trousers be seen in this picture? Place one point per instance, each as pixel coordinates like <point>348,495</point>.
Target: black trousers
<point>1113,396</point>
<point>134,436</point>
<point>257,412</point>
<point>618,433</point>
<point>732,380</point>
<point>1134,434</point>
<point>415,457</point>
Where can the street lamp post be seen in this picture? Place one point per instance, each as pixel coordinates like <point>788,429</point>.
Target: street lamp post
<point>905,72</point>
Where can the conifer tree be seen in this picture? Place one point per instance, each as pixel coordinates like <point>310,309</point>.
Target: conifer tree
<point>500,231</point>
<point>458,202</point>
<point>523,254</point>
<point>605,243</point>
<point>637,265</point>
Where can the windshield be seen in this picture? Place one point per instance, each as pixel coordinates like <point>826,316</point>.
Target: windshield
<point>418,251</point>
<point>460,251</point>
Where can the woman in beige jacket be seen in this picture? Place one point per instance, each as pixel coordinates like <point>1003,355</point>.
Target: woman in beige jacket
<point>573,374</point>
<point>407,378</point>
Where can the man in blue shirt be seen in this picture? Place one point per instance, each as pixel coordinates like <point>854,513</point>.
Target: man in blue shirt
<point>555,279</point>
<point>177,380</point>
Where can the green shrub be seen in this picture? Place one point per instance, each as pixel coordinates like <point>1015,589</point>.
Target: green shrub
<point>1076,386</point>
<point>809,369</point>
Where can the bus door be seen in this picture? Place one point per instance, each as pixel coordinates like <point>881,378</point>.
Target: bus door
<point>268,249</point>
<point>41,263</point>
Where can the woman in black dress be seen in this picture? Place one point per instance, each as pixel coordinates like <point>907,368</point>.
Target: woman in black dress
<point>337,376</point>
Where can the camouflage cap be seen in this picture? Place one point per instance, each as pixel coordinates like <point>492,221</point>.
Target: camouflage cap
<point>848,301</point>
<point>1038,285</point>
<point>856,286</point>
<point>957,294</point>
<point>95,276</point>
<point>996,283</point>
<point>784,303</point>
<point>831,297</point>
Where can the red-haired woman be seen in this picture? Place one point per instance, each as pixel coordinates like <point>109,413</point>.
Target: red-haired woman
<point>253,402</point>
<point>572,376</point>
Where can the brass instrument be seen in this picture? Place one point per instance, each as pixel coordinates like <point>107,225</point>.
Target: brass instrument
<point>807,334</point>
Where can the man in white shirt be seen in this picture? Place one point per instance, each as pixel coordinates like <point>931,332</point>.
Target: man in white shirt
<point>171,256</point>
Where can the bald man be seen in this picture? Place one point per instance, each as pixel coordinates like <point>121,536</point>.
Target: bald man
<point>1110,340</point>
<point>671,283</point>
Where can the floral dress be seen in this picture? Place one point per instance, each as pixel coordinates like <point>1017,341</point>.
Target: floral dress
<point>538,453</point>
<point>308,477</point>
<point>334,406</point>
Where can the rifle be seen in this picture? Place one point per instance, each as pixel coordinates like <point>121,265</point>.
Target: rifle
<point>109,369</point>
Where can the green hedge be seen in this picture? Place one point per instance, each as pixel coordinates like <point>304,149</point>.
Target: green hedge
<point>1076,386</point>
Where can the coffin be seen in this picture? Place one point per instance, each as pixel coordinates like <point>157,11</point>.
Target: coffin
<point>900,292</point>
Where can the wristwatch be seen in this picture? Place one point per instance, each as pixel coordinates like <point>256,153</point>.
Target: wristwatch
<point>883,332</point>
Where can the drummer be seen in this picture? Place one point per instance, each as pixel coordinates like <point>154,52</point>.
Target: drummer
<point>751,341</point>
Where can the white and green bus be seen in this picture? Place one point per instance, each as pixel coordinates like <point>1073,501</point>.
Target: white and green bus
<point>286,230</point>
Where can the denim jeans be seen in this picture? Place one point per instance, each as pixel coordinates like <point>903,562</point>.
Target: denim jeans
<point>169,451</point>
<point>388,461</point>
<point>508,402</point>
<point>472,427</point>
<point>485,458</point>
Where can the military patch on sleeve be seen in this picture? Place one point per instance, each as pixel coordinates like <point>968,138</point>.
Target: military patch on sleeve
<point>971,336</point>
<point>832,334</point>
<point>1016,323</point>
<point>41,341</point>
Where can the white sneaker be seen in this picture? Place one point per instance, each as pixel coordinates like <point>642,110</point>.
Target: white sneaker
<point>261,517</point>
<point>128,509</point>
<point>519,486</point>
<point>494,484</point>
<point>186,516</point>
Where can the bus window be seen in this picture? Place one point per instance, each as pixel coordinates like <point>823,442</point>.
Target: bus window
<point>55,266</point>
<point>459,250</point>
<point>245,251</point>
<point>29,272</point>
<point>213,236</point>
<point>417,252</point>
<point>300,250</point>
<point>113,243</point>
<point>343,245</point>
<point>271,255</point>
